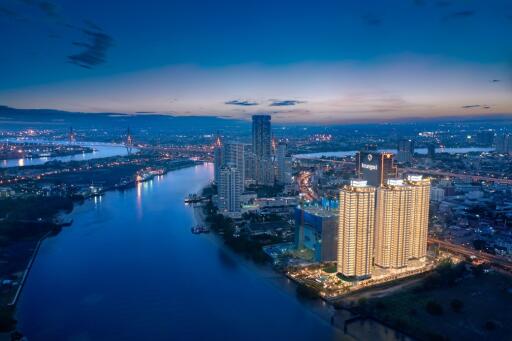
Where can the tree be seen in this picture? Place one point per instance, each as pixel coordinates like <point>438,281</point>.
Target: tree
<point>456,305</point>
<point>490,325</point>
<point>434,308</point>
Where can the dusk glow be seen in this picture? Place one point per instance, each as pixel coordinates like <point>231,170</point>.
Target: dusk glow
<point>336,62</point>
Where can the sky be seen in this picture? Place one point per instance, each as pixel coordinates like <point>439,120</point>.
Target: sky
<point>300,61</point>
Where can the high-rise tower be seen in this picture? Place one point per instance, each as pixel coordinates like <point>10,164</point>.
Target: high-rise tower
<point>356,229</point>
<point>393,225</point>
<point>419,215</point>
<point>261,136</point>
<point>217,159</point>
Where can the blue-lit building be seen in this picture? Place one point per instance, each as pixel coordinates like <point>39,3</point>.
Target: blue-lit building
<point>316,229</point>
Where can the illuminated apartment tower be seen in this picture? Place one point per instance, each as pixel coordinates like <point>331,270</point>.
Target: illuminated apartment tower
<point>355,230</point>
<point>419,215</point>
<point>393,225</point>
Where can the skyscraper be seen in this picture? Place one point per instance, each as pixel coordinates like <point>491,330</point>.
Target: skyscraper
<point>261,136</point>
<point>393,224</point>
<point>262,149</point>
<point>284,175</point>
<point>419,215</point>
<point>405,151</point>
<point>233,155</point>
<point>375,167</point>
<point>431,151</point>
<point>217,160</point>
<point>356,229</point>
<point>503,143</point>
<point>229,190</point>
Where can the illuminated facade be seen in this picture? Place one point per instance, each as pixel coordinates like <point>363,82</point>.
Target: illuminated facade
<point>375,167</point>
<point>419,215</point>
<point>393,225</point>
<point>356,229</point>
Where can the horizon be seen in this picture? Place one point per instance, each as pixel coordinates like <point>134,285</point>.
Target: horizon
<point>247,118</point>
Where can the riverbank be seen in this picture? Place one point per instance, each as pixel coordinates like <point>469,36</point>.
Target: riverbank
<point>339,317</point>
<point>26,224</point>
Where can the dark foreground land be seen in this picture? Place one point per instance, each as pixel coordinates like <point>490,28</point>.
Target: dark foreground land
<point>453,303</point>
<point>23,222</point>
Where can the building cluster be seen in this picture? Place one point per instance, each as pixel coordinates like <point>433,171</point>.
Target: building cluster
<point>503,143</point>
<point>379,221</point>
<point>383,226</point>
<point>238,165</point>
<point>476,214</point>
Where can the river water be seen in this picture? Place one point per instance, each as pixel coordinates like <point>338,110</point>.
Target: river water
<point>100,150</point>
<point>129,268</point>
<point>417,150</point>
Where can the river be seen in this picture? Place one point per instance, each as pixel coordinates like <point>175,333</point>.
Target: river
<point>129,268</point>
<point>101,149</point>
<point>417,150</point>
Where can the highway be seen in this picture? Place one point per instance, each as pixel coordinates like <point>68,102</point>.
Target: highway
<point>458,175</point>
<point>304,181</point>
<point>494,260</point>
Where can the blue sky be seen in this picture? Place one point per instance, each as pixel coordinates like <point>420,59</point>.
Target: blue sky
<point>322,61</point>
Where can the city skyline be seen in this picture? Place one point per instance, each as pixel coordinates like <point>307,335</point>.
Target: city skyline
<point>352,63</point>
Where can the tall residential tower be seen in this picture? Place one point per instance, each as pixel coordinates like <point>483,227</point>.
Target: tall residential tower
<point>356,229</point>
<point>393,225</point>
<point>419,215</point>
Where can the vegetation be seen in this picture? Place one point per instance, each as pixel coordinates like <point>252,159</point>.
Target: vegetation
<point>242,243</point>
<point>7,321</point>
<point>330,268</point>
<point>451,303</point>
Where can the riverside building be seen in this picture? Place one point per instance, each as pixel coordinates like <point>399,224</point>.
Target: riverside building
<point>356,229</point>
<point>420,189</point>
<point>393,225</point>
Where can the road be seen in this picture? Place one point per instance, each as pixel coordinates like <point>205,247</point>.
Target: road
<point>304,181</point>
<point>495,260</point>
<point>458,175</point>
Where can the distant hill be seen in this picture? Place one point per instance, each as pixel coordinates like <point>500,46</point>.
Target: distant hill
<point>12,118</point>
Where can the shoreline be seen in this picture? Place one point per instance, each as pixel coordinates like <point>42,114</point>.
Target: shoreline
<point>12,304</point>
<point>27,270</point>
<point>340,318</point>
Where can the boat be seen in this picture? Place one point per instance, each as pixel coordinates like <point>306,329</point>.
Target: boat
<point>193,198</point>
<point>200,229</point>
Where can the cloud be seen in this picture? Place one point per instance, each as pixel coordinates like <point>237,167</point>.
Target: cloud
<point>244,103</point>
<point>94,51</point>
<point>372,20</point>
<point>287,102</point>
<point>495,80</point>
<point>47,7</point>
<point>474,106</point>
<point>8,13</point>
<point>459,15</point>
